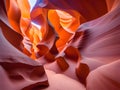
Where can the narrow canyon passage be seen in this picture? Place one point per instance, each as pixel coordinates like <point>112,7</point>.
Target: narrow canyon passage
<point>59,44</point>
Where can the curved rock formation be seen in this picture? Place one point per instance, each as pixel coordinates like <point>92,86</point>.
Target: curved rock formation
<point>60,45</point>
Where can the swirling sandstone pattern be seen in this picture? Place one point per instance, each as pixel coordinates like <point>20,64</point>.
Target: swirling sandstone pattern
<point>60,45</point>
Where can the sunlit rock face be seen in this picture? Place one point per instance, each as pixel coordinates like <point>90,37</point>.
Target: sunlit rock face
<point>60,45</point>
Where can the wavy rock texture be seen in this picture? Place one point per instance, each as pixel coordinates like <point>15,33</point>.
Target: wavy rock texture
<point>60,45</point>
